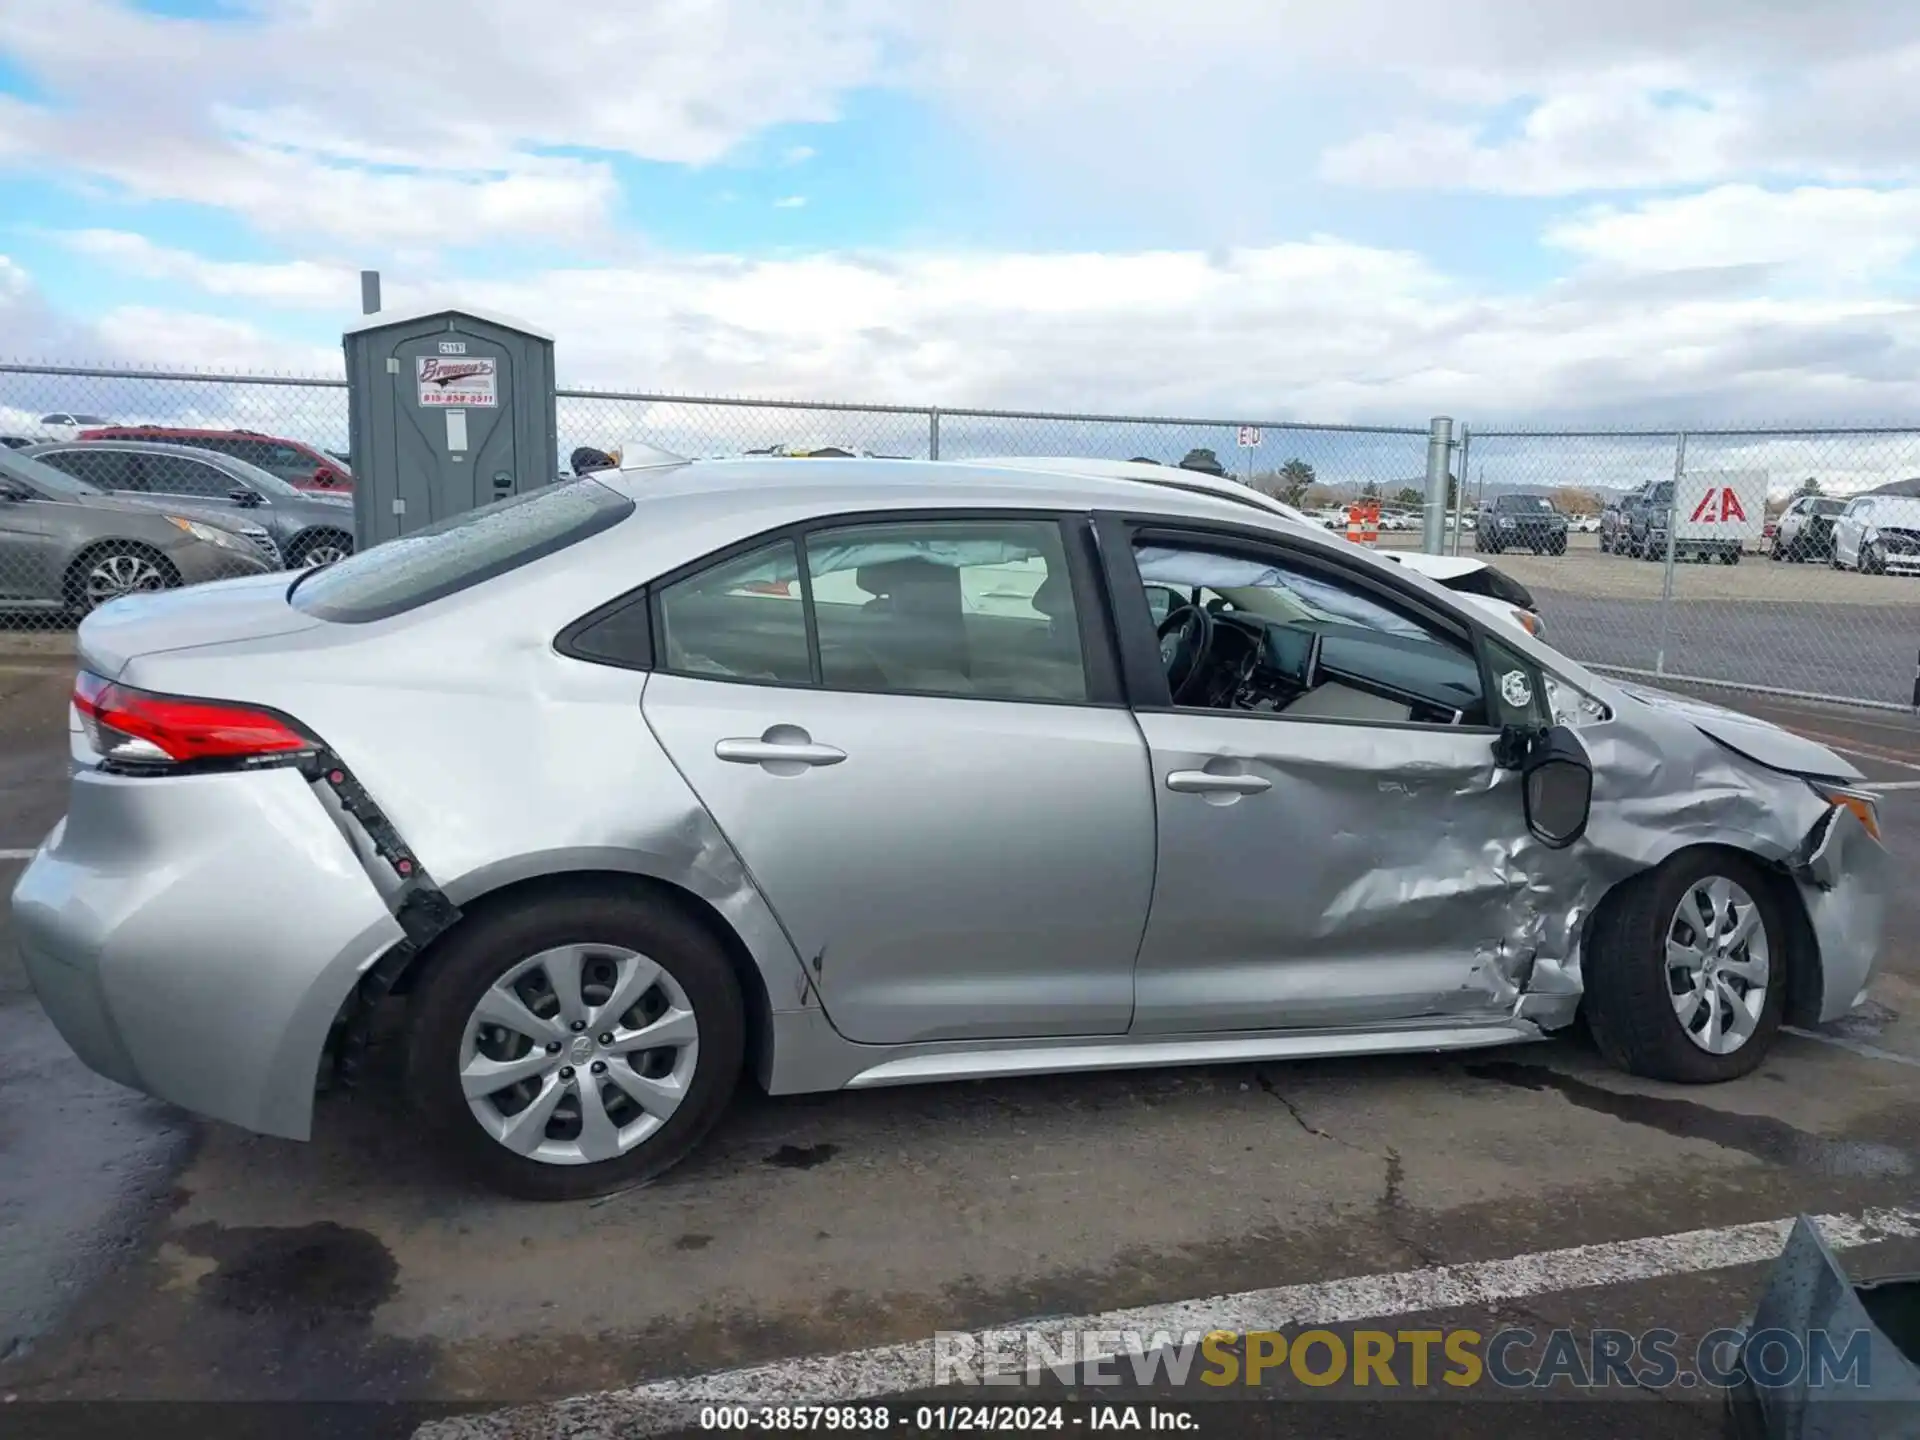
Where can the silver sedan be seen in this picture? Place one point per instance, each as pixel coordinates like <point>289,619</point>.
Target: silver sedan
<point>869,772</point>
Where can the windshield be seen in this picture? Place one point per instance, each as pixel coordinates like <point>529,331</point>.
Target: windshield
<point>1270,593</point>
<point>44,478</point>
<point>264,481</point>
<point>1827,507</point>
<point>1526,502</point>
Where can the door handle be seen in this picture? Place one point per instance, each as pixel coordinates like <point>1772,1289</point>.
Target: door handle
<point>749,751</point>
<point>1205,782</point>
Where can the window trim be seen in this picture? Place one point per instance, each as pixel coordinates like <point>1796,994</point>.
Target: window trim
<point>1099,660</point>
<point>1146,677</point>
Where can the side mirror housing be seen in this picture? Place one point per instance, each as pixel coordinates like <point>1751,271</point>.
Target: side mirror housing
<point>1556,786</point>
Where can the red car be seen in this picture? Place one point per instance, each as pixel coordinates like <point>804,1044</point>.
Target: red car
<point>295,462</point>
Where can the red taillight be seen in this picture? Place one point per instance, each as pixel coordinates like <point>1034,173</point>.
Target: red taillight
<point>140,728</point>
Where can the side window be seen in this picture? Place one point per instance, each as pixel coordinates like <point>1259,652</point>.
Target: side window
<point>742,619</point>
<point>1280,638</point>
<point>177,475</point>
<point>285,461</point>
<point>107,469</point>
<point>947,607</point>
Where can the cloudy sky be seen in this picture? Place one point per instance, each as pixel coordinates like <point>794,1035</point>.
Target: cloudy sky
<point>1357,210</point>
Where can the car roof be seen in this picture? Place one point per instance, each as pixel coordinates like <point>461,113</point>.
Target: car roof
<point>1016,483</point>
<point>230,464</point>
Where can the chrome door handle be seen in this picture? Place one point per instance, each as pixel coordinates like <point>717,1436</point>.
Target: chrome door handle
<point>1205,782</point>
<point>748,751</point>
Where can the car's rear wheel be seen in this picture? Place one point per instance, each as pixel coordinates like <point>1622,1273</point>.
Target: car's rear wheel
<point>322,547</point>
<point>576,1046</point>
<point>1686,975</point>
<point>1873,560</point>
<point>117,568</point>
<point>1557,545</point>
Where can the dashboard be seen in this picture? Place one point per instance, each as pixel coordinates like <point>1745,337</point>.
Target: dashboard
<point>1275,667</point>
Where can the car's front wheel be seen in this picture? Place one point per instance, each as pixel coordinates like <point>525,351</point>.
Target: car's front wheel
<point>320,547</point>
<point>1686,975</point>
<point>577,1045</point>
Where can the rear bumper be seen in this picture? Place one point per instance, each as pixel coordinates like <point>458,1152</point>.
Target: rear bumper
<point>194,938</point>
<point>1844,883</point>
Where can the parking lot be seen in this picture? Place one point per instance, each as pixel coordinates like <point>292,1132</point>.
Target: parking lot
<point>146,1255</point>
<point>1797,627</point>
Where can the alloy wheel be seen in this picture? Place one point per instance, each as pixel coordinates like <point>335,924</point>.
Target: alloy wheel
<point>323,553</point>
<point>1718,967</point>
<point>579,1053</point>
<point>112,576</point>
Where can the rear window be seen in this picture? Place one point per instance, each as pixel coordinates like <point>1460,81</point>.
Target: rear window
<point>460,551</point>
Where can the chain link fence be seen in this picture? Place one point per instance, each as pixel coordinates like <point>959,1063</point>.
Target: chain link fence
<point>1642,604</point>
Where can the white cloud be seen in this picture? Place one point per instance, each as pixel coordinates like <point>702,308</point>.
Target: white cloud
<point>790,202</point>
<point>435,134</point>
<point>1321,329</point>
<point>297,283</point>
<point>1826,235</point>
<point>799,154</point>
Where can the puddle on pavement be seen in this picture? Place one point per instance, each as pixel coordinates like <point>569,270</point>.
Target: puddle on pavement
<point>325,1271</point>
<point>802,1157</point>
<point>1764,1137</point>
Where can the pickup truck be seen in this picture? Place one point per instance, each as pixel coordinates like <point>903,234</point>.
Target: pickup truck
<point>1641,530</point>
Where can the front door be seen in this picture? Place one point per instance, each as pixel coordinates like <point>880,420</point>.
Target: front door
<point>907,749</point>
<point>1336,845</point>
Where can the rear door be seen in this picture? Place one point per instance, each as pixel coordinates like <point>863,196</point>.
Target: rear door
<point>1336,847</point>
<point>910,729</point>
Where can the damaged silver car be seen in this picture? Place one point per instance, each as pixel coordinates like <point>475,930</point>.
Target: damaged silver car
<point>868,772</point>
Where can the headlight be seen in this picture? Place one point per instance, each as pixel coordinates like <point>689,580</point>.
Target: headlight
<point>212,534</point>
<point>1506,522</point>
<point>1865,807</point>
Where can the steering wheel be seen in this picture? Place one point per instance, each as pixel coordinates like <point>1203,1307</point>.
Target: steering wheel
<point>1186,639</point>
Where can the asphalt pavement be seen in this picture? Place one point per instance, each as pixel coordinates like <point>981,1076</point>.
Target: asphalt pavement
<point>146,1256</point>
<point>1862,651</point>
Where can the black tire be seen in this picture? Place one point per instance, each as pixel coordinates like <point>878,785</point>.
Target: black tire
<point>306,545</point>
<point>1873,560</point>
<point>1628,1004</point>
<point>1605,548</point>
<point>75,592</point>
<point>1729,557</point>
<point>475,957</point>
<point>1557,546</point>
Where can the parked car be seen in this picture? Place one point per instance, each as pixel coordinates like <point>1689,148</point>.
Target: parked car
<point>67,547</point>
<point>307,527</point>
<point>1511,522</point>
<point>1878,535</point>
<point>1616,528</point>
<point>64,425</point>
<point>294,461</point>
<point>1804,530</point>
<point>17,442</point>
<point>1585,524</point>
<point>630,782</point>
